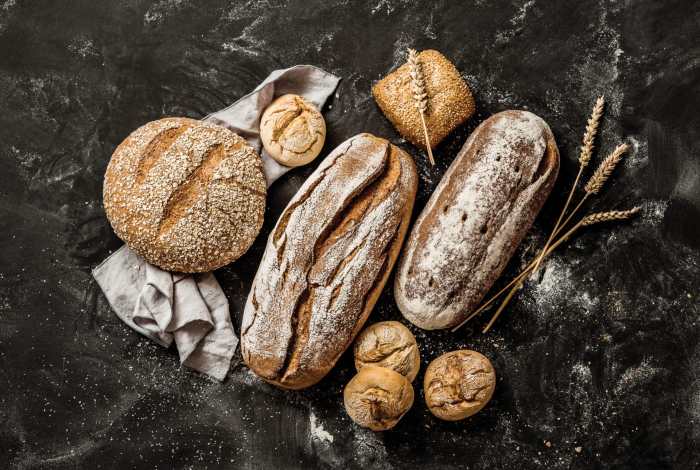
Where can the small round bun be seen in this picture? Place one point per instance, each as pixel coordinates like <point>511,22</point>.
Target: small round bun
<point>377,398</point>
<point>458,384</point>
<point>391,345</point>
<point>292,130</point>
<point>186,195</point>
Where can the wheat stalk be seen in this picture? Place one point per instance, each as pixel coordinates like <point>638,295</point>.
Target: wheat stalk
<point>591,130</point>
<point>583,159</point>
<point>420,96</point>
<point>605,169</point>
<point>608,216</point>
<point>590,219</point>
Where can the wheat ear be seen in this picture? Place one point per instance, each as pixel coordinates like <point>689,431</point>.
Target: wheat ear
<point>420,96</point>
<point>590,219</point>
<point>597,181</point>
<point>583,159</point>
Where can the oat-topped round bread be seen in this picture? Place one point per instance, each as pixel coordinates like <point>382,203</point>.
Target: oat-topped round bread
<point>292,130</point>
<point>450,101</point>
<point>186,195</point>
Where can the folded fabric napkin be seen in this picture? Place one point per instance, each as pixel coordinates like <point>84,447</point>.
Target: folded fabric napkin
<point>192,310</point>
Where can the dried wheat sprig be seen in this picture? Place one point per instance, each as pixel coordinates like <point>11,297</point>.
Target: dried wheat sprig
<point>608,216</point>
<point>584,159</point>
<point>590,219</point>
<point>605,169</point>
<point>420,96</point>
<point>591,130</point>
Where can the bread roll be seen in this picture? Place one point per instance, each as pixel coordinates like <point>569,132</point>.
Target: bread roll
<point>186,195</point>
<point>458,384</point>
<point>388,344</point>
<point>377,398</point>
<point>450,100</point>
<point>292,130</point>
<point>327,260</point>
<point>475,219</point>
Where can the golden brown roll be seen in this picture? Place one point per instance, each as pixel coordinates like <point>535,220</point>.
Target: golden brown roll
<point>377,398</point>
<point>292,130</point>
<point>450,101</point>
<point>388,344</point>
<point>458,384</point>
<point>186,195</point>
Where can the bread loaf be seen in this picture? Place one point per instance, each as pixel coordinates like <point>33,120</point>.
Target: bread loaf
<point>327,260</point>
<point>475,219</point>
<point>186,195</point>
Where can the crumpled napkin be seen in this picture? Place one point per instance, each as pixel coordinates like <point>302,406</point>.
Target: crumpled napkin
<point>191,309</point>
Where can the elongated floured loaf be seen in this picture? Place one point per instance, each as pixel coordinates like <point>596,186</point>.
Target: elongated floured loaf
<point>327,260</point>
<point>475,219</point>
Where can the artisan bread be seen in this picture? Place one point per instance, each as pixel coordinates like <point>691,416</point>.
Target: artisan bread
<point>458,384</point>
<point>450,100</point>
<point>327,260</point>
<point>475,219</point>
<point>388,344</point>
<point>186,195</point>
<point>377,398</point>
<point>292,130</point>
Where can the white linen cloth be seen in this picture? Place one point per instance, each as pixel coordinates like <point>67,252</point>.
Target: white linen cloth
<point>192,310</point>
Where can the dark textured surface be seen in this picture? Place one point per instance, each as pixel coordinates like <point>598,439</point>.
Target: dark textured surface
<point>599,354</point>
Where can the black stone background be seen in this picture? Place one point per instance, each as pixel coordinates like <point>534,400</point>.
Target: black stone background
<point>599,352</point>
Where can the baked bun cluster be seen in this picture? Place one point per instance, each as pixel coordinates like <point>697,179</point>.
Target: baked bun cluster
<point>387,361</point>
<point>292,130</point>
<point>186,195</point>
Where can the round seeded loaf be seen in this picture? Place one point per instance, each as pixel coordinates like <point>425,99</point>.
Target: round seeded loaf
<point>186,195</point>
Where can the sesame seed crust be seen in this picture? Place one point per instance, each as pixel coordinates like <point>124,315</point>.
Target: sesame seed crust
<point>186,195</point>
<point>450,101</point>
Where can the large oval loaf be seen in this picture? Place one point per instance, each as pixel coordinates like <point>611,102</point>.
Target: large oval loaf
<point>475,219</point>
<point>327,260</point>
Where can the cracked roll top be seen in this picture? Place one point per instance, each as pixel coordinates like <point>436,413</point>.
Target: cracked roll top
<point>458,384</point>
<point>186,195</point>
<point>388,344</point>
<point>327,260</point>
<point>292,130</point>
<point>475,219</point>
<point>377,398</point>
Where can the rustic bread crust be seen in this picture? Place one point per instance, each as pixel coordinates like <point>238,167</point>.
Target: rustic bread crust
<point>450,101</point>
<point>475,219</point>
<point>186,195</point>
<point>327,261</point>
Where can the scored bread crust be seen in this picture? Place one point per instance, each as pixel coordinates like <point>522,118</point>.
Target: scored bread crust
<point>186,195</point>
<point>475,219</point>
<point>327,260</point>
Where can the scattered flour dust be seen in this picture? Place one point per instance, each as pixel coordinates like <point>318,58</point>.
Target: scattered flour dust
<point>317,432</point>
<point>636,376</point>
<point>558,288</point>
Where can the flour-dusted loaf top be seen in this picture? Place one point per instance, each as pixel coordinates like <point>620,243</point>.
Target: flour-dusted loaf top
<point>184,194</point>
<point>327,260</point>
<point>475,219</point>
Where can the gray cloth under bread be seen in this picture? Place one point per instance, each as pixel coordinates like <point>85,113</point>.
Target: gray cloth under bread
<point>192,310</point>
